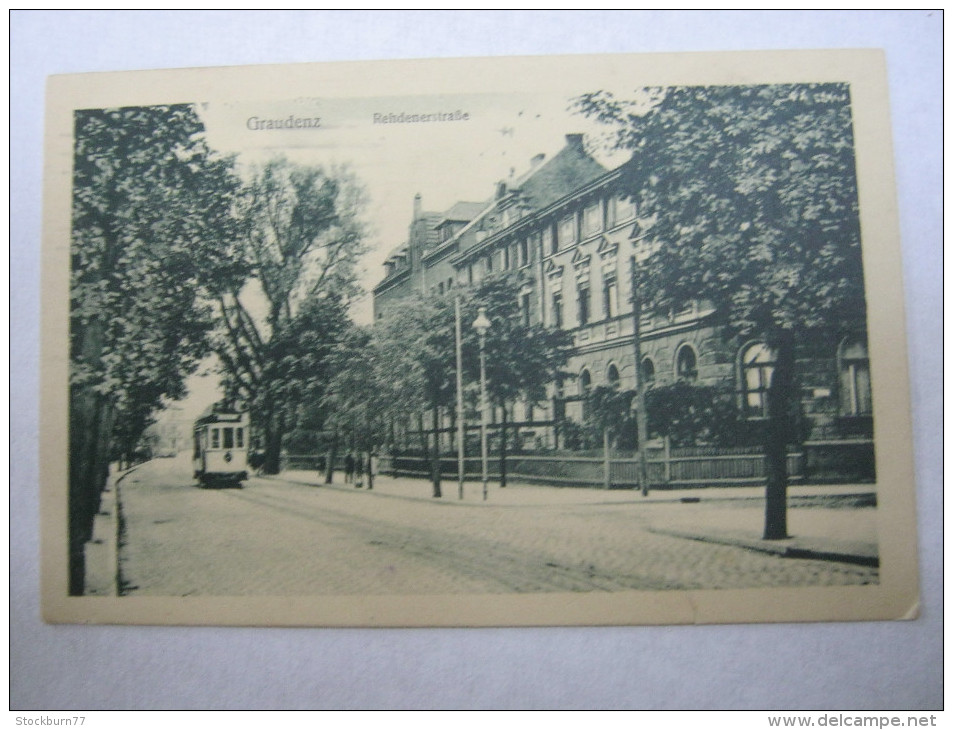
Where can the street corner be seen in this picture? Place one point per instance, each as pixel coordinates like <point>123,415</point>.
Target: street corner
<point>854,552</point>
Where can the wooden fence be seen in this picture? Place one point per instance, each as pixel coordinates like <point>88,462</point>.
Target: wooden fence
<point>666,467</point>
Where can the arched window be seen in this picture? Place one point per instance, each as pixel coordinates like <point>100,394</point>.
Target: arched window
<point>612,377</point>
<point>585,383</point>
<point>854,367</point>
<point>648,372</point>
<point>757,365</point>
<point>585,390</point>
<point>686,364</point>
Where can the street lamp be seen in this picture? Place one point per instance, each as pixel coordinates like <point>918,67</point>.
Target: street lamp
<point>481,325</point>
<point>461,426</point>
<point>641,417</point>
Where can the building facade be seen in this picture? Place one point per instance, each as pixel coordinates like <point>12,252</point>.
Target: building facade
<point>575,234</point>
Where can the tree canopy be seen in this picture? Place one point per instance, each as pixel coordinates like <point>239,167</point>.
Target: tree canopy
<point>417,348</point>
<point>747,197</point>
<point>301,237</point>
<point>151,224</point>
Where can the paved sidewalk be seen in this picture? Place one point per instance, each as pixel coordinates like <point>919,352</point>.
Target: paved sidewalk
<point>102,550</point>
<point>522,493</point>
<point>826,522</point>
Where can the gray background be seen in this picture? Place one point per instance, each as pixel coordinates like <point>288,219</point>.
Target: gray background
<point>889,666</point>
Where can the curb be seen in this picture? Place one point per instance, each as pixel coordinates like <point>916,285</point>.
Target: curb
<point>101,553</point>
<point>866,557</point>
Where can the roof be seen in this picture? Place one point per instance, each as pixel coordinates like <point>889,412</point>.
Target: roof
<point>562,174</point>
<point>462,212</point>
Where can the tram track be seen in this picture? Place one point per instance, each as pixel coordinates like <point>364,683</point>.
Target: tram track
<point>484,560</point>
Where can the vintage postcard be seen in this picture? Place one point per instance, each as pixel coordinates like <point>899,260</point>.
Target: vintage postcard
<point>477,342</point>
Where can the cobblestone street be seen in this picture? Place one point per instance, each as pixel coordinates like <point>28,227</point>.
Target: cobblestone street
<point>278,537</point>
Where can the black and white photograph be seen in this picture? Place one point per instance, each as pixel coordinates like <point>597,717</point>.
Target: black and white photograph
<point>607,340</point>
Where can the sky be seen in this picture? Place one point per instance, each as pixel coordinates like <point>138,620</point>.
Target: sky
<point>444,161</point>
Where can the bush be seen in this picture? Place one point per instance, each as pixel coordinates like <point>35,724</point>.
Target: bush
<point>694,415</point>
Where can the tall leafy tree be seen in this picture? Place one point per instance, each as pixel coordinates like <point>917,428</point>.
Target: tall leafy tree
<point>354,401</point>
<point>415,352</point>
<point>522,358</point>
<point>301,239</point>
<point>748,198</point>
<point>151,219</point>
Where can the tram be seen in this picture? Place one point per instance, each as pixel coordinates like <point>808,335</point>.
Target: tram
<point>220,449</point>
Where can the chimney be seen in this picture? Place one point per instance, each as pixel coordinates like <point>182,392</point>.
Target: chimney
<point>574,141</point>
<point>537,160</point>
<point>418,206</point>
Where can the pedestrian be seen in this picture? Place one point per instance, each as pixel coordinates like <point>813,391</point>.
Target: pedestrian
<point>349,468</point>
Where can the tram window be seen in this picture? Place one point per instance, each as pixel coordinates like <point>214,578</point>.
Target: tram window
<point>228,441</point>
<point>239,438</point>
<point>215,440</point>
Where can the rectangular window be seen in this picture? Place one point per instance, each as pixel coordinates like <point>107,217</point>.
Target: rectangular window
<point>239,438</point>
<point>550,242</point>
<point>567,231</point>
<point>470,274</point>
<point>592,219</point>
<point>524,309</point>
<point>558,309</point>
<point>610,298</point>
<point>621,209</point>
<point>488,264</point>
<point>524,252</point>
<point>215,438</point>
<point>583,305</point>
<point>228,438</point>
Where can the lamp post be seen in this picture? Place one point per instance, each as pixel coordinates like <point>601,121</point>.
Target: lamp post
<point>461,427</point>
<point>641,417</point>
<point>481,325</point>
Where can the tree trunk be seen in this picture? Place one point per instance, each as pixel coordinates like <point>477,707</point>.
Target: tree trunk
<point>503,435</point>
<point>777,432</point>
<point>274,435</point>
<point>370,469</point>
<point>435,459</point>
<point>332,457</point>
<point>90,446</point>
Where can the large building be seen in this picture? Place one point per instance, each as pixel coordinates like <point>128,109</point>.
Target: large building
<point>571,228</point>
